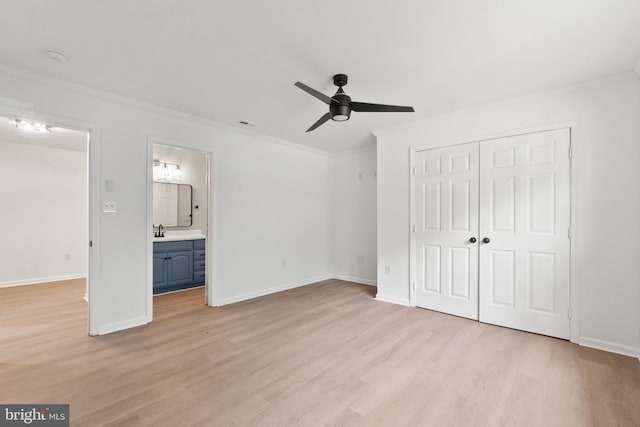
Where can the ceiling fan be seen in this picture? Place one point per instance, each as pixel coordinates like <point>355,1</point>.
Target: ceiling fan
<point>341,106</point>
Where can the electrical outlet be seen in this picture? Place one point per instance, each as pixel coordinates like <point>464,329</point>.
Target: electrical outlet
<point>284,262</point>
<point>387,270</point>
<point>109,206</point>
<point>67,257</point>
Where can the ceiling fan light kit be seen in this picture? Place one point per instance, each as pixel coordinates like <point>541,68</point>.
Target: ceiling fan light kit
<point>340,104</point>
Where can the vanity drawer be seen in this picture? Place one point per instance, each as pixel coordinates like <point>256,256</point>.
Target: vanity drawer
<point>199,254</point>
<point>178,245</point>
<point>198,276</point>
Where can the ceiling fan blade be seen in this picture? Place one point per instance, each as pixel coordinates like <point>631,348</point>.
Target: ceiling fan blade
<point>311,91</point>
<point>320,121</point>
<point>380,108</point>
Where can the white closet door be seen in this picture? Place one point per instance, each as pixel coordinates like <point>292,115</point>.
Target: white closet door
<point>446,216</point>
<point>524,214</point>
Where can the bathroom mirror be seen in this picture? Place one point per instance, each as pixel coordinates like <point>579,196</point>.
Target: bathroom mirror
<point>172,204</point>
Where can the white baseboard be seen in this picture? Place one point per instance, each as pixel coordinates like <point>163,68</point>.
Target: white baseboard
<point>612,347</point>
<point>119,326</point>
<point>393,300</point>
<point>263,292</point>
<point>38,280</point>
<point>355,280</point>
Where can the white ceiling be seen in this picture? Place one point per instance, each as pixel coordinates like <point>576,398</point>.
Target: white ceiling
<point>61,138</point>
<point>238,60</point>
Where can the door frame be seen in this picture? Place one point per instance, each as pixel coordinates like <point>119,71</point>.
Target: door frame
<point>210,296</point>
<point>574,289</point>
<point>17,109</point>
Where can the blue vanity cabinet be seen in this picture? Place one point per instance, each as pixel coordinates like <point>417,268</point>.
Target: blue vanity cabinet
<point>159,270</point>
<point>179,268</point>
<point>199,261</point>
<point>176,265</point>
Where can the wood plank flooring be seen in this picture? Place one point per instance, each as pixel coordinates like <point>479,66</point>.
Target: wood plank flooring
<point>324,354</point>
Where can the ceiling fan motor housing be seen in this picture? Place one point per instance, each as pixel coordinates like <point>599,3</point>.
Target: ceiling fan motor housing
<point>340,110</point>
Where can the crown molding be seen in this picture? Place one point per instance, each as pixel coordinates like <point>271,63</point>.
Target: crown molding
<point>621,77</point>
<point>29,76</point>
<point>15,105</point>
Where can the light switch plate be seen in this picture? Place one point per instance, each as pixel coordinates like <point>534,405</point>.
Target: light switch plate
<point>109,206</point>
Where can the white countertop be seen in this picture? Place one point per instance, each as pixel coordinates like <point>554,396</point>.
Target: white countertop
<point>173,235</point>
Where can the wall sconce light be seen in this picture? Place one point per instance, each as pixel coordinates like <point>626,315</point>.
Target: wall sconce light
<point>29,126</point>
<point>166,172</point>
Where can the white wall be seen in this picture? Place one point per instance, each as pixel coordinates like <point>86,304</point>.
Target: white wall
<point>274,216</point>
<point>194,172</point>
<point>43,193</point>
<point>606,162</point>
<point>273,200</point>
<point>354,216</point>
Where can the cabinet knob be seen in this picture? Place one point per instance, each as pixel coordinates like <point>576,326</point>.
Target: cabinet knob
<point>486,240</point>
<point>473,240</point>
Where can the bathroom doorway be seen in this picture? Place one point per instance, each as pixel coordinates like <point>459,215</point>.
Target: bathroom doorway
<point>178,221</point>
<point>44,188</point>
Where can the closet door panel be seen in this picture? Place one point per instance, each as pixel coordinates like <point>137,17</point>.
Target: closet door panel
<point>524,214</point>
<point>446,216</point>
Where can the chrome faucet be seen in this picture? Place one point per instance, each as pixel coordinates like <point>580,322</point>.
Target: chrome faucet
<point>160,232</point>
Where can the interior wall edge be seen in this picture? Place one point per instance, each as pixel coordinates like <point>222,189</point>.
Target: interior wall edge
<point>355,151</point>
<point>122,325</point>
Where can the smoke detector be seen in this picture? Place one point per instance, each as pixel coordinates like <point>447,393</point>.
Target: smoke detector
<point>55,55</point>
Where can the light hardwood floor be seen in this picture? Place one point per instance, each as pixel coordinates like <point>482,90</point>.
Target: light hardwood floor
<point>324,354</point>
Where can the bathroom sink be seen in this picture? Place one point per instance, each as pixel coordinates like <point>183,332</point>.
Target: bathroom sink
<point>172,235</point>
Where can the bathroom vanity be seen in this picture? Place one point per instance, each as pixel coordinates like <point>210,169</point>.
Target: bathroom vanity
<point>179,262</point>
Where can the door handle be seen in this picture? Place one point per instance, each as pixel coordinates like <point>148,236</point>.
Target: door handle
<point>473,240</point>
<point>486,240</point>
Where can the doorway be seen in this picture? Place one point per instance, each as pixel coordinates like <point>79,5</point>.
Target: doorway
<point>44,170</point>
<point>178,221</point>
<point>492,231</point>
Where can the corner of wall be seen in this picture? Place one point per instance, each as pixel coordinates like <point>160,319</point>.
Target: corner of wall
<point>122,325</point>
<point>355,280</point>
<point>393,300</point>
<point>609,346</point>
